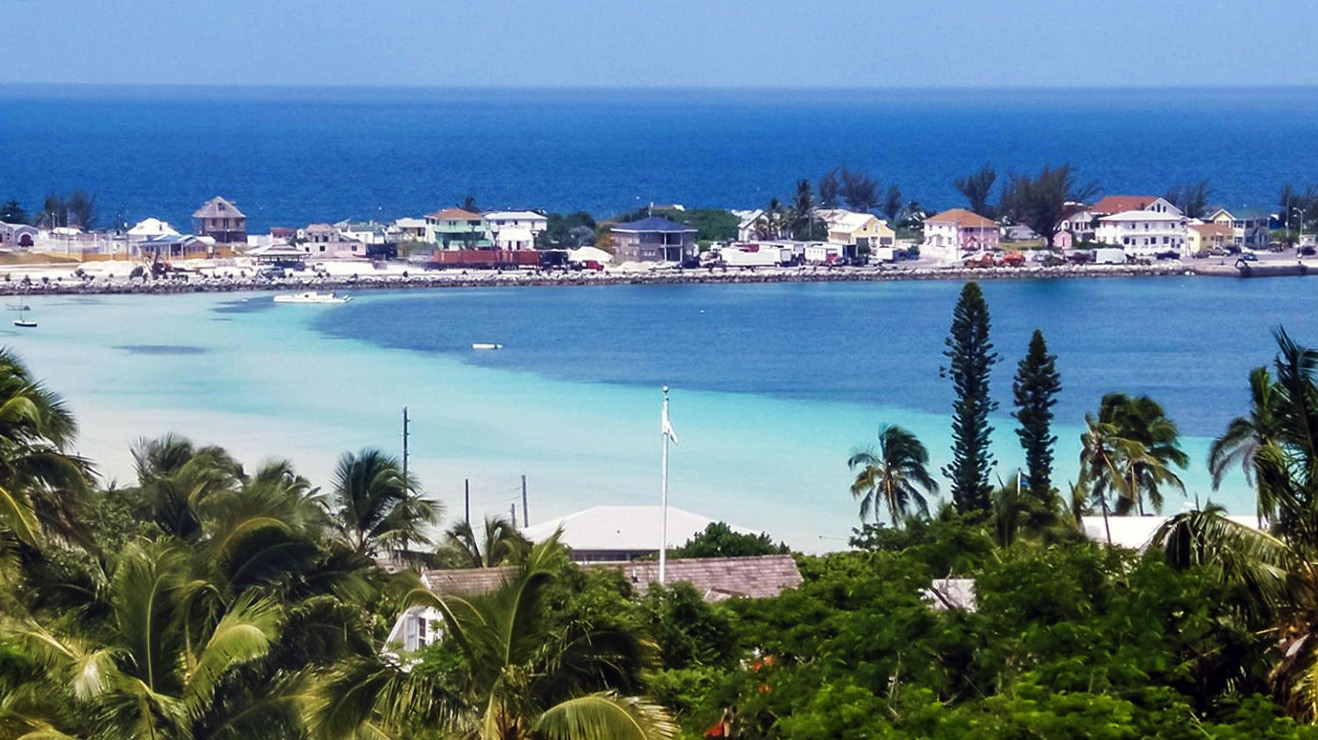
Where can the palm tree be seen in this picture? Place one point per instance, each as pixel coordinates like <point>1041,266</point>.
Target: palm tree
<point>1274,573</point>
<point>500,544</point>
<point>151,668</point>
<point>373,507</point>
<point>515,675</point>
<point>895,476</point>
<point>1127,450</point>
<point>42,484</point>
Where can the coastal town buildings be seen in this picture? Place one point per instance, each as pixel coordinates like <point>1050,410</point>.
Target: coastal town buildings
<point>363,232</point>
<point>17,236</point>
<point>749,224</point>
<point>949,234</point>
<point>514,229</point>
<point>409,229</point>
<point>1249,226</point>
<point>1202,238</point>
<point>1079,225</point>
<point>861,230</point>
<point>456,228</point>
<point>654,239</point>
<point>220,220</point>
<point>1144,233</point>
<point>150,227</point>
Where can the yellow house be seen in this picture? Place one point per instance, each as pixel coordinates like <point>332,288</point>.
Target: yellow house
<point>1199,238</point>
<point>858,229</point>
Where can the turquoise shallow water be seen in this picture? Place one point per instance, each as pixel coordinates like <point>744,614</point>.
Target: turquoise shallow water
<point>773,385</point>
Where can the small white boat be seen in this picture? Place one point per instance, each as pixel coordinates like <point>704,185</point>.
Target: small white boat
<point>22,321</point>
<point>486,345</point>
<point>312,296</point>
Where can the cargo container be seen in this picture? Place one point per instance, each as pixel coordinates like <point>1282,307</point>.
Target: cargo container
<point>486,258</point>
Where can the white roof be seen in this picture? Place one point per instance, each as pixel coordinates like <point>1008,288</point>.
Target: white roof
<point>1143,216</point>
<point>747,218</point>
<point>1135,532</point>
<point>844,220</point>
<point>623,528</point>
<point>513,216</point>
<point>410,223</point>
<point>152,227</point>
<point>583,254</point>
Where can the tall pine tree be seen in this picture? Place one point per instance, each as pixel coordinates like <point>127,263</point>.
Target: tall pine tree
<point>970,362</point>
<point>1035,389</point>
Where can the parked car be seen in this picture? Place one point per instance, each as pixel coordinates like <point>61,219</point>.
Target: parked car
<point>1248,255</point>
<point>1170,254</point>
<point>1308,251</point>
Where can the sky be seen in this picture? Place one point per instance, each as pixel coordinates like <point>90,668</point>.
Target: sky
<point>672,43</point>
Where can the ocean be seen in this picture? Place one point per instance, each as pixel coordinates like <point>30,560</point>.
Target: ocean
<point>291,156</point>
<point>773,386</point>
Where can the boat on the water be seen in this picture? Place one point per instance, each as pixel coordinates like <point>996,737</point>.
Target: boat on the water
<point>486,345</point>
<point>22,321</point>
<point>312,296</point>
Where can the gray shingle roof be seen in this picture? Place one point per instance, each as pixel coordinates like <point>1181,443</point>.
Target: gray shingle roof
<point>715,578</point>
<point>655,223</point>
<point>218,207</point>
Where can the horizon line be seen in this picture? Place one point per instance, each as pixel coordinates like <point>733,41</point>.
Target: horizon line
<point>38,86</point>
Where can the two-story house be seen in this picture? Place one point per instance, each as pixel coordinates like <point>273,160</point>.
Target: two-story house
<point>950,234</point>
<point>1144,233</point>
<point>220,220</point>
<point>654,239</point>
<point>456,228</point>
<point>1249,226</point>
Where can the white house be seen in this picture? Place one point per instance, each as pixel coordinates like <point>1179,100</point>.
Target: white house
<point>951,233</point>
<point>748,224</point>
<point>366,232</point>
<point>1144,233</point>
<point>1080,224</point>
<point>409,229</point>
<point>514,229</point>
<point>148,228</point>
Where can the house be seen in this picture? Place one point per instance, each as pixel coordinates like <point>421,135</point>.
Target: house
<point>149,227</point>
<point>949,234</point>
<point>1144,233</point>
<point>716,579</point>
<point>620,533</point>
<point>409,229</point>
<point>748,224</point>
<point>283,234</point>
<point>1249,226</point>
<point>654,239</point>
<point>1080,224</point>
<point>220,220</point>
<point>514,229</point>
<point>455,228</point>
<point>1110,205</point>
<point>364,232</point>
<point>175,247</point>
<point>1200,238</point>
<point>17,236</point>
<point>860,230</point>
<point>317,234</point>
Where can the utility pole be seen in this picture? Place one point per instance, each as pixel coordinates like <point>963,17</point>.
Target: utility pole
<point>512,511</point>
<point>466,497</point>
<point>526,521</point>
<point>406,431</point>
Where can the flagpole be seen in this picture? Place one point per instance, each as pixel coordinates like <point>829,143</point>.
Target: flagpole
<point>663,512</point>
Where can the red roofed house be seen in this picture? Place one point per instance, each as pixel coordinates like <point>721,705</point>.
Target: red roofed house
<point>950,234</point>
<point>1110,205</point>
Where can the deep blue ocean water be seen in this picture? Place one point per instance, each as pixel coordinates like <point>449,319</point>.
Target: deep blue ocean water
<point>290,156</point>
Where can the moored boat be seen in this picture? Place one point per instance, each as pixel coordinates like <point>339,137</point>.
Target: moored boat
<point>486,345</point>
<point>312,296</point>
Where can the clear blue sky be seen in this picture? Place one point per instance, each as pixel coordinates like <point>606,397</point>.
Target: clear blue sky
<point>765,43</point>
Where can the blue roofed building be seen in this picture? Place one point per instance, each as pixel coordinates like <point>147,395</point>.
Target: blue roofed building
<point>1250,226</point>
<point>654,239</point>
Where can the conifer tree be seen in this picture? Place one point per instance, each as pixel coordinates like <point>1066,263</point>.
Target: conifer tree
<point>1035,389</point>
<point>970,362</point>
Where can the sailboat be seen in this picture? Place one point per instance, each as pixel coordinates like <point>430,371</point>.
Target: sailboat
<point>22,320</point>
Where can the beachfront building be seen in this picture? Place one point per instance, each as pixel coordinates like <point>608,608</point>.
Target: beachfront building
<point>654,239</point>
<point>951,234</point>
<point>1201,238</point>
<point>220,220</point>
<point>860,230</point>
<point>150,227</point>
<point>364,232</point>
<point>1249,226</point>
<point>409,229</point>
<point>17,236</point>
<point>1144,233</point>
<point>514,229</point>
<point>1110,205</point>
<point>167,247</point>
<point>749,226</point>
<point>1079,225</point>
<point>456,228</point>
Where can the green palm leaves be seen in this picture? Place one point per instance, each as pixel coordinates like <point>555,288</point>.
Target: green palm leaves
<point>374,508</point>
<point>1128,451</point>
<point>895,476</point>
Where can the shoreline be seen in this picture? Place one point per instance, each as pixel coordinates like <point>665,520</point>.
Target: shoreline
<point>485,279</point>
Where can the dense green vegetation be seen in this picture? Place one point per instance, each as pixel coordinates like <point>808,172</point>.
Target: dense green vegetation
<point>206,600</point>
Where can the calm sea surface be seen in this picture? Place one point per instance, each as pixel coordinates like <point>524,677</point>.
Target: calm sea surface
<point>773,385</point>
<point>296,155</point>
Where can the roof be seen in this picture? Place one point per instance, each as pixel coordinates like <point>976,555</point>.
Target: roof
<point>410,223</point>
<point>1119,203</point>
<point>715,578</point>
<point>838,219</point>
<point>318,228</point>
<point>624,528</point>
<point>656,223</point>
<point>1242,214</point>
<point>454,214</point>
<point>1213,229</point>
<point>218,207</point>
<point>164,239</point>
<point>1142,216</point>
<point>962,218</point>
<point>514,216</point>
<point>151,226</point>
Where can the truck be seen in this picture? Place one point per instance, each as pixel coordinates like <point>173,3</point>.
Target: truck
<point>486,259</point>
<point>1109,256</point>
<point>751,255</point>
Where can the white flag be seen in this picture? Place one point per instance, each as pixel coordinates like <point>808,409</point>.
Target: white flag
<point>667,427</point>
